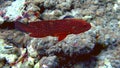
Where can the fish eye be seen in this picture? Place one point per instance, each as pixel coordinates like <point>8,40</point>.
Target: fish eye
<point>85,25</point>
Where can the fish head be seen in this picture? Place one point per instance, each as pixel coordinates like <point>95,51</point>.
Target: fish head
<point>80,26</point>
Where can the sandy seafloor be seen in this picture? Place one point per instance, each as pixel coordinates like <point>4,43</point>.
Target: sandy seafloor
<point>98,47</point>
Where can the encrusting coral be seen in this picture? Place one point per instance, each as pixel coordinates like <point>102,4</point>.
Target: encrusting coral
<point>98,47</point>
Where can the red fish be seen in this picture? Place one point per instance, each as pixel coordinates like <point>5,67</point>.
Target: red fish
<point>7,25</point>
<point>56,28</point>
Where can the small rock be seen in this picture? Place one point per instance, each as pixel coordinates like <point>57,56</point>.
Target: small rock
<point>63,6</point>
<point>100,11</point>
<point>8,47</point>
<point>37,65</point>
<point>10,58</point>
<point>31,51</point>
<point>16,9</point>
<point>115,7</point>
<point>1,20</point>
<point>49,62</point>
<point>32,7</point>
<point>119,24</point>
<point>2,62</point>
<point>86,17</point>
<point>26,65</point>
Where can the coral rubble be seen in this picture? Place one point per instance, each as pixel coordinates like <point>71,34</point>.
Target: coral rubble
<point>98,47</point>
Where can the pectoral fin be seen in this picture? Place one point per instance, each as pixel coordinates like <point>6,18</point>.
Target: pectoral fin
<point>60,36</point>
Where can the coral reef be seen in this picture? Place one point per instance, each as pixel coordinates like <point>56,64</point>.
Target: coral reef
<point>98,47</point>
<point>15,9</point>
<point>7,53</point>
<point>110,58</point>
<point>49,62</point>
<point>1,20</point>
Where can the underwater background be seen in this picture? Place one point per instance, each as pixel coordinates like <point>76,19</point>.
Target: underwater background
<point>59,33</point>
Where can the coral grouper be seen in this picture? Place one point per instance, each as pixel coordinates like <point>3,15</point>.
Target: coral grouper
<point>56,28</point>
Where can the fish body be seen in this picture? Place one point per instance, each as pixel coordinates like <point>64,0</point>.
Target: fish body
<point>56,28</point>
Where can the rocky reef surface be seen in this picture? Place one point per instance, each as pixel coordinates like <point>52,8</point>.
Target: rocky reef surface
<point>98,47</point>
